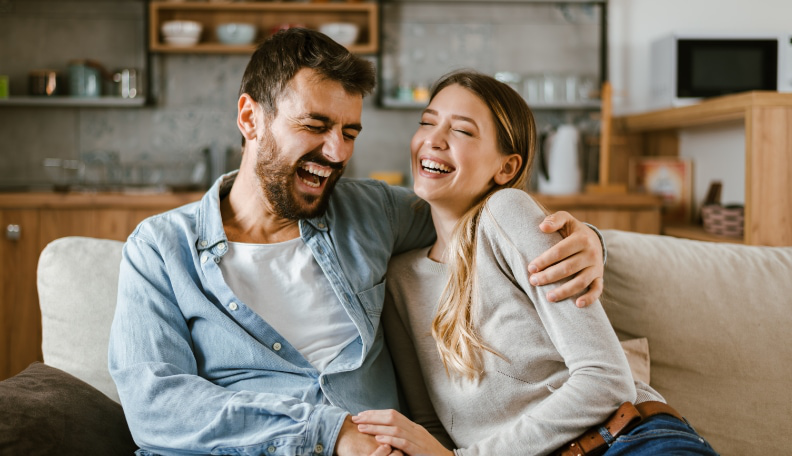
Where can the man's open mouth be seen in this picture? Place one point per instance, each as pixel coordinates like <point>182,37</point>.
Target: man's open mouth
<point>435,167</point>
<point>313,175</point>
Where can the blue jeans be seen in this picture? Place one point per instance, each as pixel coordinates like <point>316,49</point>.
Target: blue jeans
<point>661,434</point>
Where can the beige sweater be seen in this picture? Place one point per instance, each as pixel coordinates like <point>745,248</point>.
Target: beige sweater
<point>564,370</point>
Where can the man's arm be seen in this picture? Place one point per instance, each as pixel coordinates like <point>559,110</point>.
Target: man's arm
<point>581,255</point>
<point>170,408</point>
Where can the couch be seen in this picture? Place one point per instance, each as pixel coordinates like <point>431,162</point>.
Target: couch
<point>716,318</point>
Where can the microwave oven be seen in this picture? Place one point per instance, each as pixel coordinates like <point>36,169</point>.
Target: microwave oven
<point>687,67</point>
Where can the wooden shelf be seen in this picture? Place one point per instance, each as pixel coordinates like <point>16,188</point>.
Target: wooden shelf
<point>713,111</point>
<point>592,105</point>
<point>265,16</point>
<point>697,232</point>
<point>75,102</point>
<point>765,117</point>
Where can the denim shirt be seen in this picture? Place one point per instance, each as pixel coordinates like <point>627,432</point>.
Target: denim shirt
<point>198,372</point>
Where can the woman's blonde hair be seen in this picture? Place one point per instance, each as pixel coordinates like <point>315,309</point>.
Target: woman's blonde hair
<point>460,346</point>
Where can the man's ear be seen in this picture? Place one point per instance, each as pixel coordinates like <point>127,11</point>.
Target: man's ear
<point>509,168</point>
<point>247,116</point>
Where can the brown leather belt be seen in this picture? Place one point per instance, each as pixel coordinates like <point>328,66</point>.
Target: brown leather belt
<point>591,443</point>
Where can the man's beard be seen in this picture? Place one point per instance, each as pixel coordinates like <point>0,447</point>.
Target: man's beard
<point>277,180</point>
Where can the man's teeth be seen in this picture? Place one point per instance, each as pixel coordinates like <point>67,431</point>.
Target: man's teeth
<point>315,174</point>
<point>434,167</point>
<point>316,169</point>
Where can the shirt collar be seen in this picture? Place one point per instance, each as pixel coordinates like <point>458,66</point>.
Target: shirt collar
<point>210,222</point>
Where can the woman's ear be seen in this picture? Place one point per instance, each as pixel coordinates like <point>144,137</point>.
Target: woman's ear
<point>509,168</point>
<point>247,116</point>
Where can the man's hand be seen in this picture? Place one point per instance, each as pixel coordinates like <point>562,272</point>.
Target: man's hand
<point>351,442</point>
<point>579,255</point>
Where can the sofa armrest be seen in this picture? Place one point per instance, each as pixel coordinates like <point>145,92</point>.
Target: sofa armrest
<point>78,287</point>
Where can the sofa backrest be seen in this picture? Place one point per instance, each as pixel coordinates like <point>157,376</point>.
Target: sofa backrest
<point>717,317</point>
<point>78,287</point>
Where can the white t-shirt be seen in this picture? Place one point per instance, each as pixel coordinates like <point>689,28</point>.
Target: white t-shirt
<point>284,284</point>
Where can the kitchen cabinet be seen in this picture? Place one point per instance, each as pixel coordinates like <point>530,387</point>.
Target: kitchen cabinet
<point>266,16</point>
<point>30,222</point>
<point>766,118</point>
<point>640,213</point>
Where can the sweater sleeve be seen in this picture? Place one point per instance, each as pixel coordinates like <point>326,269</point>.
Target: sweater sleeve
<point>598,374</point>
<point>409,373</point>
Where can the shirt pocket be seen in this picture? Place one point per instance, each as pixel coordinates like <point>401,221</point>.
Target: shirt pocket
<point>372,300</point>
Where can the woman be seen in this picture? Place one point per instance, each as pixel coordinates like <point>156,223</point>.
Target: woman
<point>507,371</point>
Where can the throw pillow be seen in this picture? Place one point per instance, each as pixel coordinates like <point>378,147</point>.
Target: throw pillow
<point>637,351</point>
<point>48,411</point>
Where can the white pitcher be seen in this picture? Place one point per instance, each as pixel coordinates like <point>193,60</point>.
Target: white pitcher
<point>560,152</point>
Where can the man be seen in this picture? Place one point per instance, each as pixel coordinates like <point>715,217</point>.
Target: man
<point>247,323</point>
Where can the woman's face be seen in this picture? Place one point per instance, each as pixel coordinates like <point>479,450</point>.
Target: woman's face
<point>455,156</point>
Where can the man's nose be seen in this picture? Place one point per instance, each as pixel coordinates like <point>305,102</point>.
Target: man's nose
<point>335,149</point>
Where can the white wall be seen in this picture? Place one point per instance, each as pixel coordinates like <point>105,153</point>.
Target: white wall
<point>718,153</point>
<point>634,24</point>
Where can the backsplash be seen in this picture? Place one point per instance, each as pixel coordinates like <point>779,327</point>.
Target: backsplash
<point>195,95</point>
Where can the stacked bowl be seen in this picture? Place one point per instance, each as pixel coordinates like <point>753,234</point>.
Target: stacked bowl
<point>181,33</point>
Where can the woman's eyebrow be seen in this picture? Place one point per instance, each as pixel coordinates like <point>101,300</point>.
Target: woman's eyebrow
<point>464,118</point>
<point>454,116</point>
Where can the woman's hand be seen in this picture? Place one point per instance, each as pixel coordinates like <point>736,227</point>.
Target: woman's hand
<point>392,428</point>
<point>579,256</point>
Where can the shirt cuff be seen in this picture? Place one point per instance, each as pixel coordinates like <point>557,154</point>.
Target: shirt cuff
<point>602,241</point>
<point>323,427</point>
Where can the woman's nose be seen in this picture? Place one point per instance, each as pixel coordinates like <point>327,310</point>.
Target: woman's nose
<point>436,140</point>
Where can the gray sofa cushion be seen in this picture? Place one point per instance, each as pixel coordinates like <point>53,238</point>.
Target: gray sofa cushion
<point>717,317</point>
<point>78,287</point>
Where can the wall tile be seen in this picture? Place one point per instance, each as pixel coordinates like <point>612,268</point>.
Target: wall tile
<point>196,98</point>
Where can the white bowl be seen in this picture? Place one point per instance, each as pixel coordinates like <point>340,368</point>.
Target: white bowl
<point>181,40</point>
<point>182,29</point>
<point>343,33</point>
<point>235,33</point>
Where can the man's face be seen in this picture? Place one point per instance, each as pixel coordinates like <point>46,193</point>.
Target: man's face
<point>303,151</point>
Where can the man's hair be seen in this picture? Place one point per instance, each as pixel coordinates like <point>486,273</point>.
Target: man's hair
<point>278,59</point>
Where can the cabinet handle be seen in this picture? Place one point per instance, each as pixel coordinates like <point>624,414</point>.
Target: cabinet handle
<point>13,232</point>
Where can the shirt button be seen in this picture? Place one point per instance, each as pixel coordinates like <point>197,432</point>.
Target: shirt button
<point>321,225</point>
<point>221,246</point>
<point>322,381</point>
<point>233,306</point>
<point>276,346</point>
<point>204,258</point>
<point>318,448</point>
<point>204,243</point>
<point>271,449</point>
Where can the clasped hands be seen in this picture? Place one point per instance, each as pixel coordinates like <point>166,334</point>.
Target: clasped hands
<point>386,432</point>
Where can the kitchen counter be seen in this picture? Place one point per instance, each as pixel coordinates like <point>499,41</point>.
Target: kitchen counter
<point>96,200</point>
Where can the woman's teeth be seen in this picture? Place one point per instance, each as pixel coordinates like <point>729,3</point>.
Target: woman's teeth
<point>434,167</point>
<point>315,174</point>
